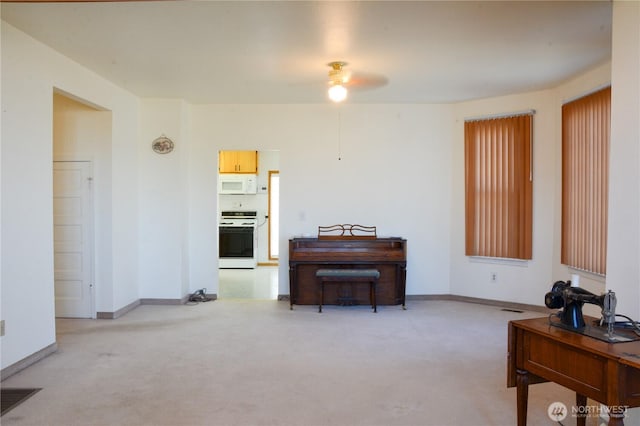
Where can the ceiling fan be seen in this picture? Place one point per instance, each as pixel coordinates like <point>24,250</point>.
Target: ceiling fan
<point>340,79</point>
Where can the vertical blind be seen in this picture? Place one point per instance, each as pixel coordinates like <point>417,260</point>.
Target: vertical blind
<point>586,129</point>
<point>499,187</point>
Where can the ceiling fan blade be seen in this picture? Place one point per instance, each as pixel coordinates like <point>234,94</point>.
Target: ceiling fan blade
<point>360,80</point>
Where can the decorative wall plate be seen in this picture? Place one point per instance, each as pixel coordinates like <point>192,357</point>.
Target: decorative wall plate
<point>162,145</point>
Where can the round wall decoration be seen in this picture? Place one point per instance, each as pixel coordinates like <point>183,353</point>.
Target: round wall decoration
<point>162,145</point>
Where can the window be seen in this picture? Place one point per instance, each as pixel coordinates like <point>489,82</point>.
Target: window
<point>499,187</point>
<point>586,124</point>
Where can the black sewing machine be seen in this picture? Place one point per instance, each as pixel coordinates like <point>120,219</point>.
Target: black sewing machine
<point>571,299</point>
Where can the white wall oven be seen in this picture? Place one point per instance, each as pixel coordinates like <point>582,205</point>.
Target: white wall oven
<point>237,240</point>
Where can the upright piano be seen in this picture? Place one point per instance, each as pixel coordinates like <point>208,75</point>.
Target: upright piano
<point>307,255</point>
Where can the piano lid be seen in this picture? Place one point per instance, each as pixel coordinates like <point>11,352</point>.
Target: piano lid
<point>348,250</point>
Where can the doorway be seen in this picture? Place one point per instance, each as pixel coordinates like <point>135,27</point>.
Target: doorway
<point>82,175</point>
<point>261,281</point>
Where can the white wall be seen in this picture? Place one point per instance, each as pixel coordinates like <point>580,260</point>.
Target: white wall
<point>623,244</point>
<point>163,236</point>
<point>389,167</point>
<point>623,250</point>
<point>27,239</point>
<point>30,72</point>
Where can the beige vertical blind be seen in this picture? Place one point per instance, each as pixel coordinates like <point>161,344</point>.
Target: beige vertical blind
<point>499,187</point>
<point>586,129</point>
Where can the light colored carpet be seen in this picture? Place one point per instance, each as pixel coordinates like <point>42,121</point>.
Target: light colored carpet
<point>255,362</point>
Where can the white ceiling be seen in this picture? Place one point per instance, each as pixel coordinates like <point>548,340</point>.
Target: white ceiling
<point>277,51</point>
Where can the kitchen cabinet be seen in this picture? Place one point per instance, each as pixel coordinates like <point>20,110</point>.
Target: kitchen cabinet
<point>238,162</point>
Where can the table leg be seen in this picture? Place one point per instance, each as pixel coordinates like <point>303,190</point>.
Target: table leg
<point>581,401</point>
<point>616,419</point>
<point>522,392</point>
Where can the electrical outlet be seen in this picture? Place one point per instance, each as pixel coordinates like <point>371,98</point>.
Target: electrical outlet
<point>1,327</point>
<point>494,277</point>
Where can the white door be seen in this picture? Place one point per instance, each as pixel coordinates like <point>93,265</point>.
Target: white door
<point>72,238</point>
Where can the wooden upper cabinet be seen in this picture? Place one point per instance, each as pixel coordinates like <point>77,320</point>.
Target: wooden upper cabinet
<point>238,162</point>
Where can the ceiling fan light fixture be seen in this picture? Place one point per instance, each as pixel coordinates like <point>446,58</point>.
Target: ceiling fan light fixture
<point>337,93</point>
<point>337,79</point>
<point>337,75</point>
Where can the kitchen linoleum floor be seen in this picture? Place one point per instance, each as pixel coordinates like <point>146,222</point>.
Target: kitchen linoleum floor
<point>260,283</point>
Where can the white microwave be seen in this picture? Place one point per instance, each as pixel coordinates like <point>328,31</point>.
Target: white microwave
<point>237,184</point>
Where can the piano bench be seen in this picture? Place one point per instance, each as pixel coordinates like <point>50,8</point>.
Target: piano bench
<point>349,275</point>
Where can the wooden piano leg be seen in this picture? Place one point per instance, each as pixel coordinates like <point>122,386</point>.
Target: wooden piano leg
<point>321,296</point>
<point>402,273</point>
<point>372,293</point>
<point>522,392</point>
<point>292,288</point>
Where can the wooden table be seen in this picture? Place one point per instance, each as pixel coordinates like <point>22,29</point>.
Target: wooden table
<point>605,372</point>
